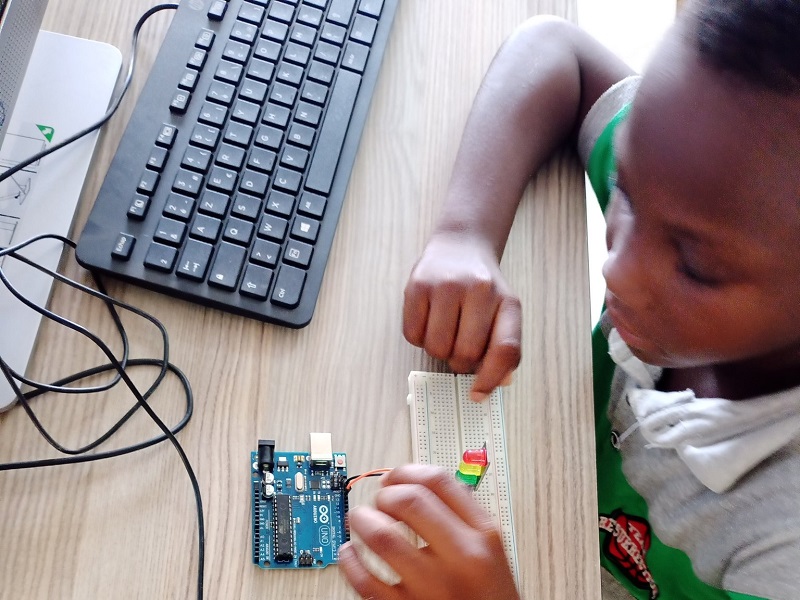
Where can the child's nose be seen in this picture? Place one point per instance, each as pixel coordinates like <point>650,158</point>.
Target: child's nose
<point>626,275</point>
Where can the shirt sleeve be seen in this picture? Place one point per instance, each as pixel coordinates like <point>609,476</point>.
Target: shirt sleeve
<point>596,135</point>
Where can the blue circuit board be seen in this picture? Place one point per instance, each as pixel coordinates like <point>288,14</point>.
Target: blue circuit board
<point>299,508</point>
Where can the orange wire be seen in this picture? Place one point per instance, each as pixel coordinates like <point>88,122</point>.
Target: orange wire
<point>367,474</point>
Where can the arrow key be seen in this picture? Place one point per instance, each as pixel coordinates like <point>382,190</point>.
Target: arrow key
<point>255,282</point>
<point>265,253</point>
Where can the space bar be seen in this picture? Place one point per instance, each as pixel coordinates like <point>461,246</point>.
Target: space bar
<point>331,138</point>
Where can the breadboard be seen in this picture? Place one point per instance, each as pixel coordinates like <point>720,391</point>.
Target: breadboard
<point>445,422</point>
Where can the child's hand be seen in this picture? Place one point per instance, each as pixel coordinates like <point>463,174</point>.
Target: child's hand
<point>459,308</point>
<point>464,558</point>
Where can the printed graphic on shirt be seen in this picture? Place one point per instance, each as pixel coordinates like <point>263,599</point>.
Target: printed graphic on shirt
<point>626,544</point>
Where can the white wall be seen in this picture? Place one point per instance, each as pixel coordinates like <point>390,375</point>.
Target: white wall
<point>632,29</point>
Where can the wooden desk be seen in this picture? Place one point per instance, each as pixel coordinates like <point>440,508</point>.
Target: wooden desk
<point>125,528</point>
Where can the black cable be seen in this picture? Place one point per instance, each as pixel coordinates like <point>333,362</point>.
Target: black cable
<point>120,366</point>
<point>109,113</point>
<point>115,364</point>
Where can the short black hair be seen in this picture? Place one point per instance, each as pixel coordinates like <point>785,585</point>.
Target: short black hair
<point>756,40</point>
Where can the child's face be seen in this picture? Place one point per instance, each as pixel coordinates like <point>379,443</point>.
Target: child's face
<point>704,226</point>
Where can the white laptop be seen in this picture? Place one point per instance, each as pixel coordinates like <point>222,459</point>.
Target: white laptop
<point>67,87</point>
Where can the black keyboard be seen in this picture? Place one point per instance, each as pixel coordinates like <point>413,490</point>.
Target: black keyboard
<point>227,185</point>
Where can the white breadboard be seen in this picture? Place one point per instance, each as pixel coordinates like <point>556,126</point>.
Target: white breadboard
<point>445,422</point>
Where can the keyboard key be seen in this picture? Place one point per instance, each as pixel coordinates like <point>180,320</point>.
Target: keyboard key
<point>305,229</point>
<point>179,207</point>
<point>283,94</point>
<point>303,34</point>
<point>308,114</point>
<point>265,253</point>
<point>287,180</point>
<point>188,80</point>
<point>269,137</point>
<point>260,70</point>
<point>267,50</point>
<point>255,282</point>
<point>297,54</point>
<point>230,157</point>
<point>166,137</point>
<point>261,160</point>
<point>280,204</point>
<point>170,231</point>
<point>205,136</point>
<point>297,253</point>
<point>255,91</point>
<point>364,29</point>
<point>180,100</point>
<point>238,231</point>
<point>276,115</point>
<point>158,157</point>
<point>280,11</point>
<point>227,266</point>
<point>246,207</point>
<point>309,15</point>
<point>244,32</point>
<point>160,257</point>
<point>331,137</point>
<point>355,57</point>
<point>216,12</point>
<point>197,60</point>
<point>213,114</point>
<point>205,39</point>
<point>288,286</point>
<point>272,228</point>
<point>187,182</point>
<point>123,246</point>
<point>326,52</point>
<point>148,182</point>
<point>254,183</point>
<point>229,72</point>
<point>312,205</point>
<point>250,13</point>
<point>193,263</point>
<point>239,134</point>
<point>139,207</point>
<point>221,93</point>
<point>291,74</point>
<point>222,180</point>
<point>294,157</point>
<point>196,159</point>
<point>371,7</point>
<point>341,11</point>
<point>302,135</point>
<point>206,228</point>
<point>213,204</point>
<point>274,31</point>
<point>320,72</point>
<point>333,33</point>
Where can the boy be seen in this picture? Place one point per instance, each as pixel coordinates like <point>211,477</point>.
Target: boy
<point>697,355</point>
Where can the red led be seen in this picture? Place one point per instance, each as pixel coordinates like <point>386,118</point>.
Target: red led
<point>477,456</point>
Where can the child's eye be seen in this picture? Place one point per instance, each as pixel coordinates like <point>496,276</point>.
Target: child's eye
<point>696,276</point>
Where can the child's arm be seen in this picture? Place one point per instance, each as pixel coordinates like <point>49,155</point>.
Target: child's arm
<point>463,559</point>
<point>538,89</point>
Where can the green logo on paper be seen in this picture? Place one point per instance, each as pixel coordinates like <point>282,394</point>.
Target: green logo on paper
<point>47,132</point>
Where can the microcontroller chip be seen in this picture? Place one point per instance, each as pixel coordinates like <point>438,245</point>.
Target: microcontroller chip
<point>284,533</point>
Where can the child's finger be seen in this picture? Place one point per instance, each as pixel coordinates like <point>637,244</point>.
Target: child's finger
<point>474,329</point>
<point>450,492</point>
<point>440,331</point>
<point>361,578</point>
<point>504,351</point>
<point>388,538</point>
<point>415,314</point>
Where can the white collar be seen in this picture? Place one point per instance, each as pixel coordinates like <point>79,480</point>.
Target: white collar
<point>719,440</point>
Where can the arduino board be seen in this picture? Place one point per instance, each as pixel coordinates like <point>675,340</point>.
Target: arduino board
<point>299,505</point>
